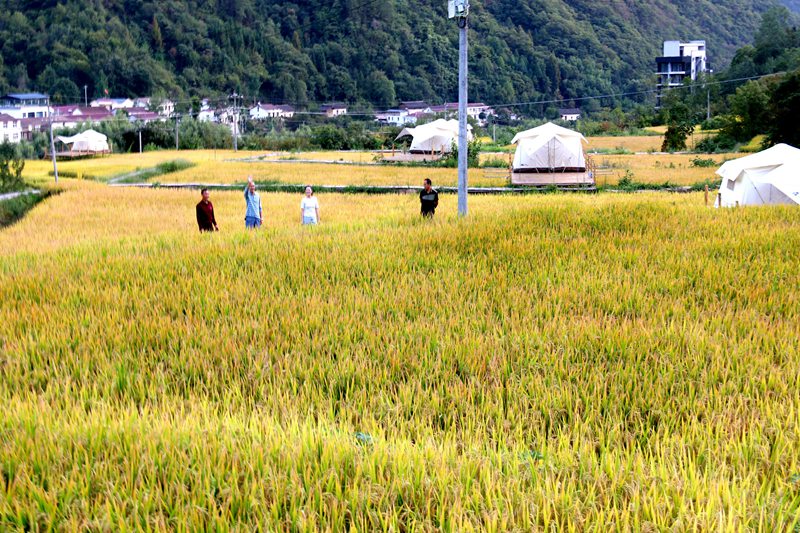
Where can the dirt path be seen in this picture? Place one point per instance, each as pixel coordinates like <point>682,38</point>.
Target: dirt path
<point>12,195</point>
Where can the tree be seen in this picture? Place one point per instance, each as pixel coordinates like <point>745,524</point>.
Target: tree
<point>329,137</point>
<point>679,124</point>
<point>773,36</point>
<point>11,166</point>
<point>158,41</point>
<point>749,111</point>
<point>785,108</point>
<point>64,91</point>
<point>3,82</point>
<point>381,89</point>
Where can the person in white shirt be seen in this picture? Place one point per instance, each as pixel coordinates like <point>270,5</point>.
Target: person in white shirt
<point>309,208</point>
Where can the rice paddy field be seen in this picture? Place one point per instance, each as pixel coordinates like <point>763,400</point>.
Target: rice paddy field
<point>328,174</point>
<point>607,362</point>
<point>630,157</point>
<point>106,167</point>
<point>358,168</point>
<point>676,169</point>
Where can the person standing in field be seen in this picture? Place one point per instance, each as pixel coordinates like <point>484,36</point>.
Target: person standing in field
<point>428,199</point>
<point>206,220</point>
<point>252,216</point>
<point>309,208</point>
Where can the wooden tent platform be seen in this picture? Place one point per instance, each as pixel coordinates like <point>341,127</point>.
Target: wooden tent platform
<point>67,155</point>
<point>407,157</point>
<point>552,178</point>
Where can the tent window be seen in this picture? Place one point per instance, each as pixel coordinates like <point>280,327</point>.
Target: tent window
<point>731,184</point>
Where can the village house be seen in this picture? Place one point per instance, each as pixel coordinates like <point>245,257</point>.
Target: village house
<point>265,111</point>
<point>231,118</point>
<point>415,108</point>
<point>112,104</point>
<point>474,111</point>
<point>287,110</point>
<point>72,115</point>
<point>33,125</point>
<point>335,109</point>
<point>144,116</point>
<point>25,105</point>
<point>570,114</point>
<point>396,117</point>
<point>10,129</point>
<point>165,106</point>
<point>206,113</point>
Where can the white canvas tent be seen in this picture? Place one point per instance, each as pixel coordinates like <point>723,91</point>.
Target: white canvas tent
<point>768,177</point>
<point>89,141</point>
<point>549,154</point>
<point>437,136</point>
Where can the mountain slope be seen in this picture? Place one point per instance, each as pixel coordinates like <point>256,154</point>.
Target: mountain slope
<point>794,5</point>
<point>366,51</point>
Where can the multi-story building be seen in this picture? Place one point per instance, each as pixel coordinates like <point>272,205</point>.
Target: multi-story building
<point>25,105</point>
<point>680,60</point>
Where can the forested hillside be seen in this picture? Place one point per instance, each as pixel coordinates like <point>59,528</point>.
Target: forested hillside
<point>794,5</point>
<point>366,52</point>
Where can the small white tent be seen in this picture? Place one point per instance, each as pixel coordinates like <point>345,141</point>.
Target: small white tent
<point>552,153</point>
<point>768,177</point>
<point>89,141</point>
<point>436,136</point>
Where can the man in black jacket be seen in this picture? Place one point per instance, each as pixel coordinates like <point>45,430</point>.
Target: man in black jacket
<point>428,199</point>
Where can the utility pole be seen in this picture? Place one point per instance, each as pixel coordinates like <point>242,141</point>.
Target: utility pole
<point>176,131</point>
<point>85,96</point>
<point>235,123</point>
<point>52,142</point>
<point>708,104</point>
<point>140,139</point>
<point>459,9</point>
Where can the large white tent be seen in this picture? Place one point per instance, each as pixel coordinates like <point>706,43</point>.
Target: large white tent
<point>89,141</point>
<point>552,153</point>
<point>768,177</point>
<point>549,148</point>
<point>437,136</point>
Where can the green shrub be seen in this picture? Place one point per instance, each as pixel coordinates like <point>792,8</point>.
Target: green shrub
<point>703,163</point>
<point>11,166</point>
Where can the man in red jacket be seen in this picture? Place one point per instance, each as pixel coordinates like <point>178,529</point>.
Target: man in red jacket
<point>205,214</point>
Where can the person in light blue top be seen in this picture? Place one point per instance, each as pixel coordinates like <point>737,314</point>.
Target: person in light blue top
<point>252,217</point>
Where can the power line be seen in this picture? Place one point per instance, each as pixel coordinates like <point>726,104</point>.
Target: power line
<point>364,112</point>
<point>630,93</point>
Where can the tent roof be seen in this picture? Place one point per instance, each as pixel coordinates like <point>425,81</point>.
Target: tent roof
<point>785,180</point>
<point>548,130</point>
<point>769,159</point>
<point>437,127</point>
<point>88,135</point>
